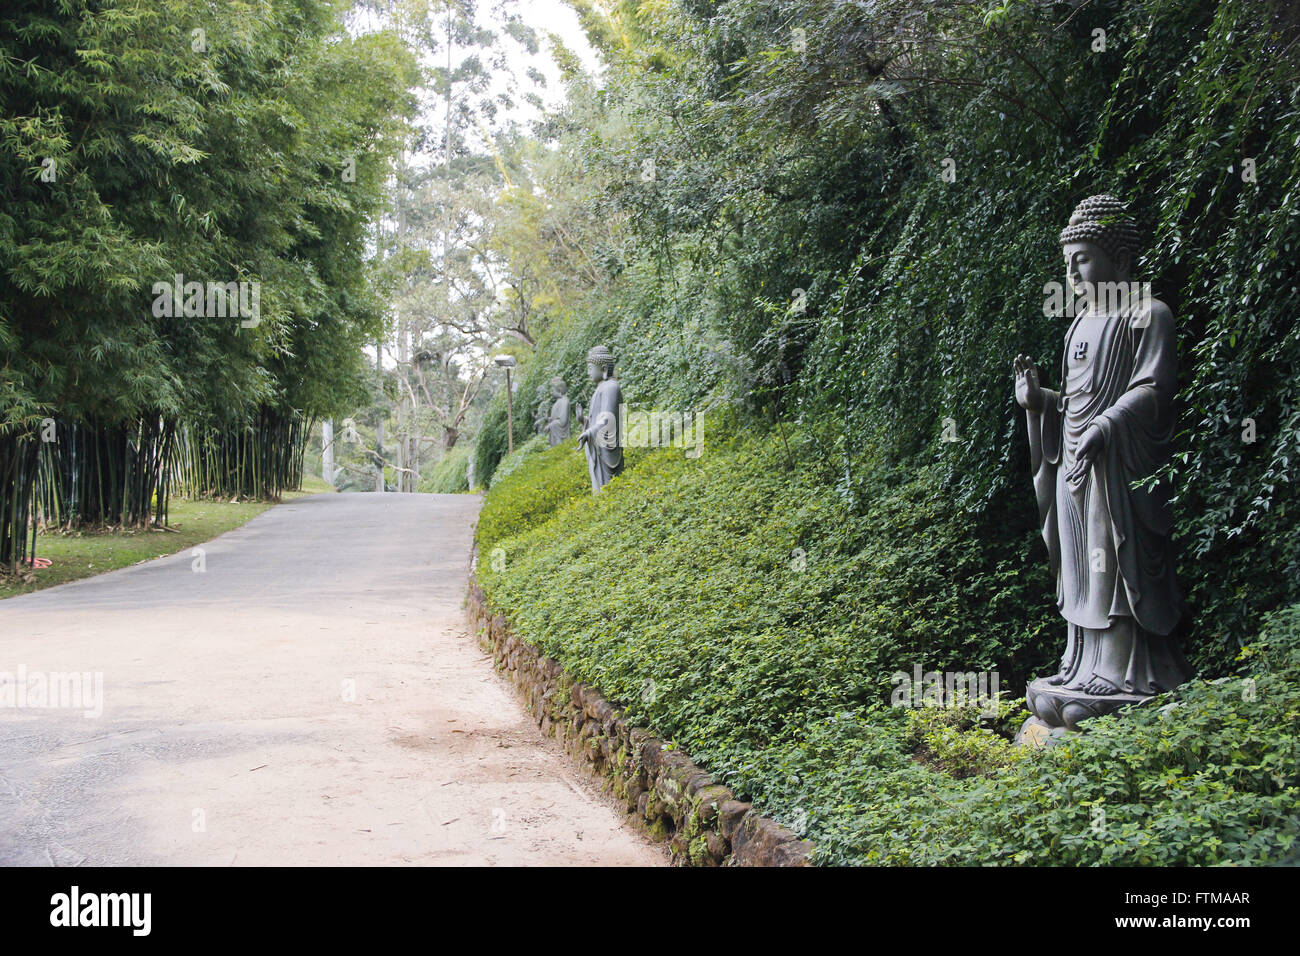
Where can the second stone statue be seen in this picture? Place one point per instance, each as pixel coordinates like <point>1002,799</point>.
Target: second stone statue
<point>600,434</point>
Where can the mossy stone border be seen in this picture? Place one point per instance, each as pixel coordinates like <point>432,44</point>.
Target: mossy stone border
<point>661,788</point>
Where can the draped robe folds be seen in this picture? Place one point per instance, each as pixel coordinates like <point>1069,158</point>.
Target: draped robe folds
<point>1108,542</point>
<point>604,455</point>
<point>557,424</point>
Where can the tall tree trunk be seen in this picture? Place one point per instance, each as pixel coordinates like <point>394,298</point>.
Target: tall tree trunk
<point>327,452</point>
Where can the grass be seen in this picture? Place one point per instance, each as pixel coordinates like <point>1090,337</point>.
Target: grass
<point>82,554</point>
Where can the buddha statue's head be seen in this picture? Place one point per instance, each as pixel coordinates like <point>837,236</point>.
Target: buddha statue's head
<point>1099,244</point>
<point>600,363</point>
<point>558,387</point>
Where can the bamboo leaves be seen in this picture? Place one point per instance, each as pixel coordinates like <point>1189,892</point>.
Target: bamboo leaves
<point>139,142</point>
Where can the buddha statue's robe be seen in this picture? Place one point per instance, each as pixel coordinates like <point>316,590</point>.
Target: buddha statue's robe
<point>604,454</point>
<point>557,425</point>
<point>1108,542</point>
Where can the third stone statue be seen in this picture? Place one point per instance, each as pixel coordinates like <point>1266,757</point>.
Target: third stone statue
<point>600,435</point>
<point>1109,426</point>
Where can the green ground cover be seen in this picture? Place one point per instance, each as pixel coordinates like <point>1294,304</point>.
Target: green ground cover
<point>739,606</point>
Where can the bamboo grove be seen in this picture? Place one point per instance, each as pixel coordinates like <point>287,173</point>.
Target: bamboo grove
<point>189,192</point>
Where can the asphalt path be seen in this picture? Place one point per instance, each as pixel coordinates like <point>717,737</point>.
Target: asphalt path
<point>302,690</point>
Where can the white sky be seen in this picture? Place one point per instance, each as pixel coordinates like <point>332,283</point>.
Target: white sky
<point>555,16</point>
<point>544,16</point>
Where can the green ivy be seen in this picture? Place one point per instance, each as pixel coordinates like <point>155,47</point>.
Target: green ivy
<point>739,605</point>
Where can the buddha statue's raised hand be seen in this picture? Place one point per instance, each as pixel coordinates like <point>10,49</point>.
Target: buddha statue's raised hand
<point>1028,393</point>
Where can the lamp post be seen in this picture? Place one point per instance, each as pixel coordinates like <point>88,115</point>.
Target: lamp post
<point>507,362</point>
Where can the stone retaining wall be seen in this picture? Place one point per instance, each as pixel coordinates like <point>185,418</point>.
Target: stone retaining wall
<point>676,801</point>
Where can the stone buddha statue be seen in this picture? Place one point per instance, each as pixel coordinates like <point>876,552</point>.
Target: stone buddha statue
<point>557,419</point>
<point>600,434</point>
<point>1108,426</point>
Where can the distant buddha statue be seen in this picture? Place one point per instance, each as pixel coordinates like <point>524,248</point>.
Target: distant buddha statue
<point>1109,426</point>
<point>600,435</point>
<point>557,422</point>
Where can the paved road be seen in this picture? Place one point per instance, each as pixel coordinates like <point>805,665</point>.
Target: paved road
<point>312,696</point>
